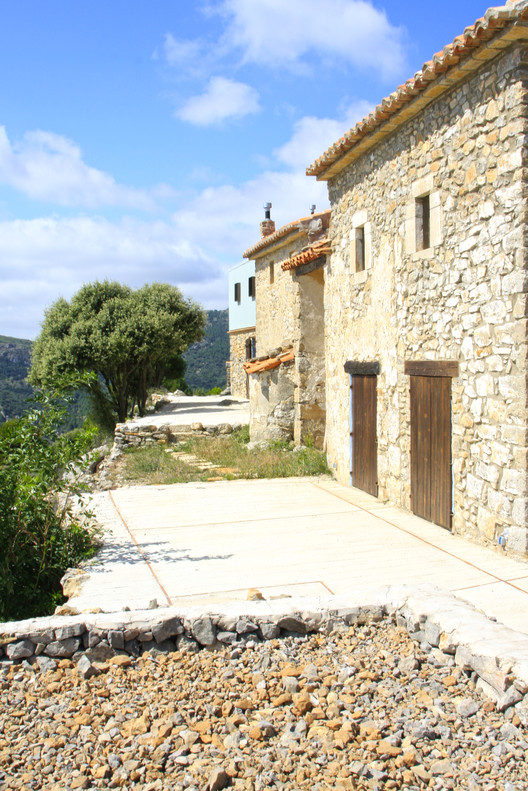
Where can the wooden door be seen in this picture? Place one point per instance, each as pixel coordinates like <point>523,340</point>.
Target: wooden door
<point>431,476</point>
<point>364,471</point>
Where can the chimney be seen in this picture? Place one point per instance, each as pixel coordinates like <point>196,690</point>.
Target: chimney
<point>267,227</point>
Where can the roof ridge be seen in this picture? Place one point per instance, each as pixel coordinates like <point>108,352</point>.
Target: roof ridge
<point>282,231</point>
<point>483,29</point>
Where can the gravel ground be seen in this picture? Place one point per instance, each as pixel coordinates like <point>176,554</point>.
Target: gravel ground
<point>364,707</point>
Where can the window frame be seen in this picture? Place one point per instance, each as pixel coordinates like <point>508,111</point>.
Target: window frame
<point>360,259</point>
<point>359,240</point>
<point>251,347</point>
<point>423,192</point>
<point>422,220</point>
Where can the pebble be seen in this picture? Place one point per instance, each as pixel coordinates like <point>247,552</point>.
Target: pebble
<point>362,707</point>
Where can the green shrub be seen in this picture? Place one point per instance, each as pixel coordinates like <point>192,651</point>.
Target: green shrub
<point>39,536</point>
<point>241,435</point>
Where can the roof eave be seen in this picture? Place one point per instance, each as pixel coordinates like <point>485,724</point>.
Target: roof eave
<point>283,235</point>
<point>408,102</point>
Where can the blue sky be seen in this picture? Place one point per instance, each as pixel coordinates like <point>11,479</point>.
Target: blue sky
<point>139,141</point>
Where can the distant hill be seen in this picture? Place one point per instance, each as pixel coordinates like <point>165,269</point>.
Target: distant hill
<point>206,360</point>
<point>15,359</point>
<point>205,368</point>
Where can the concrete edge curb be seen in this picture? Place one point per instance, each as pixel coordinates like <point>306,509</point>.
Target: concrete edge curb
<point>496,654</point>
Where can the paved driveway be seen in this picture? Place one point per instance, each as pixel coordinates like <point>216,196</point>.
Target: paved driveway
<point>204,544</point>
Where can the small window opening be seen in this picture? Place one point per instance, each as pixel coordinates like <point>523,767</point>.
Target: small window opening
<point>251,349</point>
<point>251,287</point>
<point>360,249</point>
<point>237,293</point>
<point>423,223</point>
<point>271,272</point>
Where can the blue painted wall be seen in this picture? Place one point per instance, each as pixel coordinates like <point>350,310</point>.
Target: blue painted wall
<point>241,314</point>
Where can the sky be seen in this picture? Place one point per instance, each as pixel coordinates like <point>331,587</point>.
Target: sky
<point>140,140</point>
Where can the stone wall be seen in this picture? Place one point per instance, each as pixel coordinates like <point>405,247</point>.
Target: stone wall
<point>130,435</point>
<point>309,348</point>
<point>272,410</point>
<point>462,299</point>
<point>290,314</point>
<point>275,300</point>
<point>452,630</point>
<point>237,354</point>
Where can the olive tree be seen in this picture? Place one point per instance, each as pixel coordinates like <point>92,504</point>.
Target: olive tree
<point>127,338</point>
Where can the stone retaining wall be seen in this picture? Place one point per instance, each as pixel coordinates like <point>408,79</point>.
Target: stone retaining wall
<point>128,435</point>
<point>443,624</point>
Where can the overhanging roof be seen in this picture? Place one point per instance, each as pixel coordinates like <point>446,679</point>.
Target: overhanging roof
<point>279,235</point>
<point>496,30</point>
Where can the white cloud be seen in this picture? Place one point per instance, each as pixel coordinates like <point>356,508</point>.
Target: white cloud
<point>280,34</point>
<point>44,258</point>
<point>312,135</point>
<point>221,100</point>
<point>93,247</point>
<point>49,167</point>
<point>190,58</point>
<point>179,52</point>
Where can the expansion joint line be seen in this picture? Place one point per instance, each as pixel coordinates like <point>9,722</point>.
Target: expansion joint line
<point>141,552</point>
<point>429,543</point>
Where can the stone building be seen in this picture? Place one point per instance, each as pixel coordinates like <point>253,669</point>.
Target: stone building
<point>242,342</point>
<point>425,296</point>
<point>286,380</point>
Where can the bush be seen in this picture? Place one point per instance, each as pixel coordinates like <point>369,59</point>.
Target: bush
<point>39,536</point>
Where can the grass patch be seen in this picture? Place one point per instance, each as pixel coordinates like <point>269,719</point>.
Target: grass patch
<point>278,460</point>
<point>153,465</point>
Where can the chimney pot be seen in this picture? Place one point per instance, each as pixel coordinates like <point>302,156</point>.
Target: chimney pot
<point>267,226</point>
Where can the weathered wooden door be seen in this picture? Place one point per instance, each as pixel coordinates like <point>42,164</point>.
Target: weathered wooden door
<point>431,474</point>
<point>364,473</point>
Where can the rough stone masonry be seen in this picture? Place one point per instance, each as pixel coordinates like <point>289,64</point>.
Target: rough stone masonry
<point>382,696</point>
<point>463,298</point>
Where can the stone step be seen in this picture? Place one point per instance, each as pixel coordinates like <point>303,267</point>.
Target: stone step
<point>199,464</point>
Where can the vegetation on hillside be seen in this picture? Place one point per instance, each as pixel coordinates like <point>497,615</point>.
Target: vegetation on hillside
<point>15,359</point>
<point>206,360</point>
<point>201,369</point>
<point>128,339</point>
<point>39,534</point>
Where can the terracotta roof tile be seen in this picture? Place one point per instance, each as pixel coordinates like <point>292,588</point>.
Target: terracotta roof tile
<point>269,363</point>
<point>493,23</point>
<point>284,231</point>
<point>322,247</point>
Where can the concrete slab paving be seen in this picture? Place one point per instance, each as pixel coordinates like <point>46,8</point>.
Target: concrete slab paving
<point>184,410</point>
<point>207,544</point>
